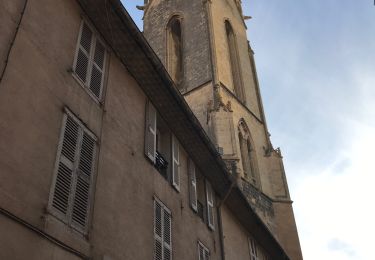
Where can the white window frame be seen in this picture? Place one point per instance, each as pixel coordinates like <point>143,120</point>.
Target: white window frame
<point>67,218</point>
<point>206,252</point>
<point>86,84</point>
<point>161,238</point>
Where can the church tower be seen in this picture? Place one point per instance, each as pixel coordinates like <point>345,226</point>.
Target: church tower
<point>204,46</point>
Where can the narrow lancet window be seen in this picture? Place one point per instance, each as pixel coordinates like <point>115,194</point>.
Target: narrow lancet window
<point>248,158</point>
<point>234,62</point>
<point>174,54</point>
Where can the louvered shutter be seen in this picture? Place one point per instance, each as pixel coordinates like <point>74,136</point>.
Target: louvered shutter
<point>81,67</point>
<point>253,249</point>
<point>64,177</point>
<point>200,252</point>
<point>203,252</point>
<point>210,205</point>
<point>176,163</point>
<point>150,132</point>
<point>193,186</point>
<point>97,69</point>
<point>167,225</point>
<point>206,254</point>
<point>162,232</point>
<point>83,182</point>
<point>158,229</point>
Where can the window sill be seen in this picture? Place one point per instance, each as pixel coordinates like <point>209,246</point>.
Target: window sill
<point>71,237</point>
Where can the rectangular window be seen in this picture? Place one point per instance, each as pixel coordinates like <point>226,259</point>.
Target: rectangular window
<point>89,62</point>
<point>193,186</point>
<point>75,167</point>
<point>203,252</point>
<point>162,147</point>
<point>162,232</point>
<point>210,205</point>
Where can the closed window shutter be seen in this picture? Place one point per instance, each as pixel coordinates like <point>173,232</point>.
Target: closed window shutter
<point>167,223</point>
<point>64,177</point>
<point>193,186</point>
<point>162,232</point>
<point>84,50</point>
<point>176,163</point>
<point>203,252</point>
<point>75,170</point>
<point>89,64</point>
<point>84,176</point>
<point>97,71</point>
<point>210,205</point>
<point>150,132</point>
<point>253,249</point>
<point>158,229</point>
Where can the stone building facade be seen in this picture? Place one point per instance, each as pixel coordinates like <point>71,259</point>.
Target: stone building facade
<point>105,155</point>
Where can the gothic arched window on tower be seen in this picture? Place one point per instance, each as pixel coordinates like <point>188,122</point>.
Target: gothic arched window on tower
<point>234,62</point>
<point>248,157</point>
<point>174,51</point>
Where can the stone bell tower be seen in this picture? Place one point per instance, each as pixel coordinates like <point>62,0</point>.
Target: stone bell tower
<point>204,46</point>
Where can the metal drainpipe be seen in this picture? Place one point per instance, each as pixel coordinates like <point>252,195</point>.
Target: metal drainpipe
<point>13,40</point>
<point>220,223</point>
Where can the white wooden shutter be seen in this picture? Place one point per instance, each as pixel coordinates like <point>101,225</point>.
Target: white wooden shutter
<point>83,182</point>
<point>150,132</point>
<point>175,163</point>
<point>82,61</point>
<point>64,177</point>
<point>167,225</point>
<point>193,186</point>
<point>162,232</point>
<point>158,231</point>
<point>70,200</point>
<point>97,69</point>
<point>203,252</point>
<point>253,249</point>
<point>210,205</point>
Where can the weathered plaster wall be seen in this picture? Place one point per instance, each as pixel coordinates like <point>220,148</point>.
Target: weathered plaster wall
<point>37,87</point>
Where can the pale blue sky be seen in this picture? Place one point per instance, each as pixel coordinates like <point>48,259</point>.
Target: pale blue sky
<point>316,64</point>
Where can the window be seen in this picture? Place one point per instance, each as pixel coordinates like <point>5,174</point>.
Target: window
<point>234,62</point>
<point>201,195</point>
<point>203,252</point>
<point>248,158</point>
<point>71,190</point>
<point>89,63</point>
<point>175,51</point>
<point>162,232</point>
<point>162,147</point>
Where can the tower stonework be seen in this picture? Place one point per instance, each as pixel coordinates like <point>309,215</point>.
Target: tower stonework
<point>218,80</point>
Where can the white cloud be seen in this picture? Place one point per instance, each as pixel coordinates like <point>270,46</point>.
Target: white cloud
<point>334,206</point>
